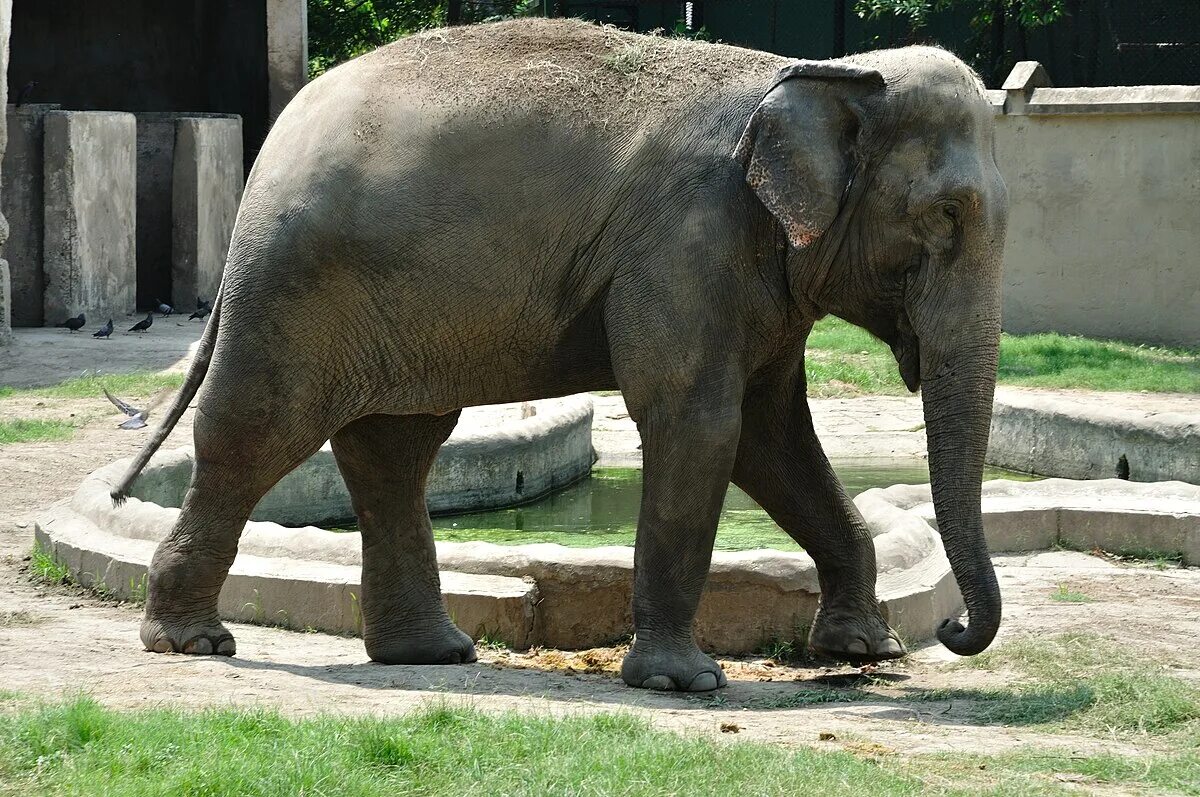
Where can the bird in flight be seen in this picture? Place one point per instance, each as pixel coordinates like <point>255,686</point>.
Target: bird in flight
<point>137,417</point>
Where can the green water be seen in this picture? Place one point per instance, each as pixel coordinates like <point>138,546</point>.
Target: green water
<point>603,509</point>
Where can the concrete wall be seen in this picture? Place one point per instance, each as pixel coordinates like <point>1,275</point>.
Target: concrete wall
<point>287,51</point>
<point>155,165</point>
<point>206,191</point>
<point>1104,223</point>
<point>189,184</point>
<point>90,185</point>
<point>206,56</point>
<point>23,203</point>
<point>5,283</point>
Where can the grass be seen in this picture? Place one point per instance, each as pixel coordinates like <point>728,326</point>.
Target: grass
<point>141,383</point>
<point>1091,684</point>
<point>1079,683</point>
<point>46,568</point>
<point>25,430</point>
<point>842,359</point>
<point>1064,594</point>
<point>79,748</point>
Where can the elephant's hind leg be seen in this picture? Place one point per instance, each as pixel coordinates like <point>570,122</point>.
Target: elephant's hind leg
<point>236,464</point>
<point>385,460</point>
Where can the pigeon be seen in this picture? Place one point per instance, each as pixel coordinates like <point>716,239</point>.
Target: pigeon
<point>144,324</point>
<point>201,313</point>
<point>104,331</point>
<point>137,417</point>
<point>164,308</point>
<point>203,304</point>
<point>75,323</point>
<point>24,93</point>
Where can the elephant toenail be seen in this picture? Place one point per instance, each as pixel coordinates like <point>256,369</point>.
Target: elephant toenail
<point>226,647</point>
<point>162,646</point>
<point>662,683</point>
<point>892,647</point>
<point>858,647</point>
<point>704,682</point>
<point>200,646</point>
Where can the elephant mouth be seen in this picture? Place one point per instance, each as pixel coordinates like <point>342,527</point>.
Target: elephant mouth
<point>906,348</point>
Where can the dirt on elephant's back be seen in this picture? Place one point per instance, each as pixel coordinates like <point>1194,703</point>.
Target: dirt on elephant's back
<point>591,74</point>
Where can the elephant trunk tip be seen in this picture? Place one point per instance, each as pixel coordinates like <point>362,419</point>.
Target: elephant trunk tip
<point>965,641</point>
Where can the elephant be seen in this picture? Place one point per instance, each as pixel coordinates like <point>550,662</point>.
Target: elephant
<point>535,208</point>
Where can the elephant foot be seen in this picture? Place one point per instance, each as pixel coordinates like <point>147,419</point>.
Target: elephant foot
<point>858,637</point>
<point>196,638</point>
<point>446,645</point>
<point>651,666</point>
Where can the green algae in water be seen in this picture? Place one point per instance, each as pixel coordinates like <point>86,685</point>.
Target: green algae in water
<point>603,509</point>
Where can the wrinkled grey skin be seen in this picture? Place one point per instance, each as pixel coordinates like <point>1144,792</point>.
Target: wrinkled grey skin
<point>393,263</point>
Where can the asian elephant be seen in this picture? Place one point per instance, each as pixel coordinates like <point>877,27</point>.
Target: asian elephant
<point>528,209</point>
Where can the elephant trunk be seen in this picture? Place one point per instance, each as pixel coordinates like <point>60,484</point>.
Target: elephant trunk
<point>958,382</point>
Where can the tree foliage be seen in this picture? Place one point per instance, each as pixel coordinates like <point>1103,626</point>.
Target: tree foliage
<point>1027,13</point>
<point>988,20</point>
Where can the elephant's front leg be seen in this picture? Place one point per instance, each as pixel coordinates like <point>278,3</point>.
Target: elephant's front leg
<point>780,464</point>
<point>688,452</point>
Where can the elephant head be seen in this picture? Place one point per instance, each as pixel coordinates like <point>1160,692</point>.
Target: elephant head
<point>881,173</point>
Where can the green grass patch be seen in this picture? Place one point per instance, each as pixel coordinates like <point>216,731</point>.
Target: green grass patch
<point>81,748</point>
<point>1089,683</point>
<point>141,383</point>
<point>1064,594</point>
<point>45,567</point>
<point>841,358</point>
<point>1172,773</point>
<point>25,430</point>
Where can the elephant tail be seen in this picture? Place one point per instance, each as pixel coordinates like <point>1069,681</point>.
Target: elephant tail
<point>183,398</point>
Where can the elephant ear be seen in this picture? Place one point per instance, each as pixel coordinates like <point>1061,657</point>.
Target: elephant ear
<point>799,149</point>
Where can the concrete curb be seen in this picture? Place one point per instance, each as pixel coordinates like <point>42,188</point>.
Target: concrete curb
<point>1110,514</point>
<point>1062,435</point>
<point>526,595</point>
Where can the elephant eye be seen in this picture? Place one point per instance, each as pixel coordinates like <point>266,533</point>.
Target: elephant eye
<point>951,211</point>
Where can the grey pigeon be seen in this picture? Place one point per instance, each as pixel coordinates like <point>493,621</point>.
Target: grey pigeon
<point>104,331</point>
<point>74,324</point>
<point>201,313</point>
<point>144,324</point>
<point>203,304</point>
<point>164,308</point>
<point>137,417</point>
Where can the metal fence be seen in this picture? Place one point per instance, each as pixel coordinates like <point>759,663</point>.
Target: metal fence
<point>1096,42</point>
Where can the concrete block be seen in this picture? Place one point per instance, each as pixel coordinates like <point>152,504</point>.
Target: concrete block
<point>1032,529</point>
<point>287,51</point>
<point>23,202</point>
<point>5,303</point>
<point>90,189</point>
<point>155,165</point>
<point>1091,438</point>
<point>206,190</point>
<point>1121,531</point>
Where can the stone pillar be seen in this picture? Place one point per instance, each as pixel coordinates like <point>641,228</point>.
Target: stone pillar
<point>206,189</point>
<point>5,285</point>
<point>287,51</point>
<point>90,189</point>
<point>1019,85</point>
<point>22,202</point>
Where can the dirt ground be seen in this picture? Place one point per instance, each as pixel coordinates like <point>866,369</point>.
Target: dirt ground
<point>57,641</point>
